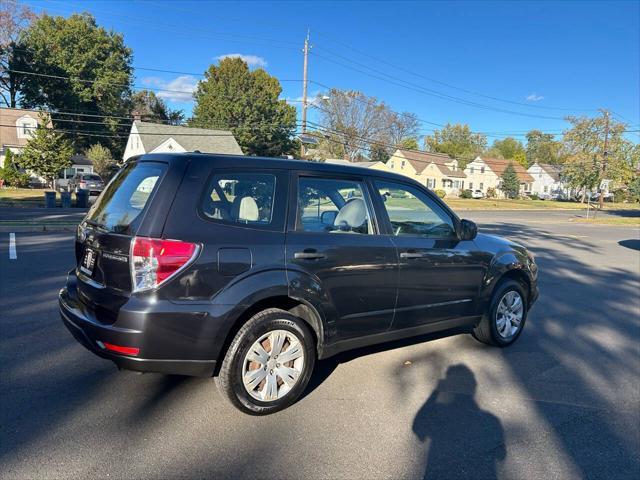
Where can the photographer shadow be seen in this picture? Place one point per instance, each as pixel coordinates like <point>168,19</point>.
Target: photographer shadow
<point>453,425</point>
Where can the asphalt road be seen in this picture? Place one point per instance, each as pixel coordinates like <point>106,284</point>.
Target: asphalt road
<point>563,402</point>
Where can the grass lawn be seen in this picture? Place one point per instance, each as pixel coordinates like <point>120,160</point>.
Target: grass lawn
<point>494,204</point>
<point>609,220</point>
<point>26,197</point>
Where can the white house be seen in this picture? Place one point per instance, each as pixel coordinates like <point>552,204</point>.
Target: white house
<point>485,172</point>
<point>16,128</point>
<point>148,137</point>
<point>546,179</point>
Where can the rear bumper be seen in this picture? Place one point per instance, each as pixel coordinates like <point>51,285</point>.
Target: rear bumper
<point>92,335</point>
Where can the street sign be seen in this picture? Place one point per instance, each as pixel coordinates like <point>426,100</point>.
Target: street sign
<point>308,139</point>
<point>604,185</point>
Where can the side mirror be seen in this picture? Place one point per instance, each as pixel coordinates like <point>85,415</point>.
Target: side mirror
<point>468,230</point>
<point>328,217</point>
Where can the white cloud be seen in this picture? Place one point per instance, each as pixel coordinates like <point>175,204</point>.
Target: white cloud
<point>534,98</point>
<point>251,60</point>
<point>180,89</point>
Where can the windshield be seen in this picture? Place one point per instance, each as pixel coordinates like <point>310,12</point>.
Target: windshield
<point>124,199</point>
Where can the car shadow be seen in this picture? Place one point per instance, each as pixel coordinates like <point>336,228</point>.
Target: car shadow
<point>632,243</point>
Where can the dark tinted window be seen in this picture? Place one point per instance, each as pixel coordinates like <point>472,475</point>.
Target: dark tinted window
<point>126,196</point>
<point>245,198</point>
<point>91,176</point>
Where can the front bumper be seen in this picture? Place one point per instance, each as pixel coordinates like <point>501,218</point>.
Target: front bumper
<point>92,334</point>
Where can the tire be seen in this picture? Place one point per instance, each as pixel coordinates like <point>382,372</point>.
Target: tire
<point>487,331</point>
<point>260,331</point>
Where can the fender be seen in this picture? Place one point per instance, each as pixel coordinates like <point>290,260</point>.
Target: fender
<point>503,262</point>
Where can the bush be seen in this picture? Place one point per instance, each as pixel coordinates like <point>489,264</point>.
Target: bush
<point>13,177</point>
<point>441,193</point>
<point>621,195</point>
<point>534,196</point>
<point>491,192</point>
<point>466,194</point>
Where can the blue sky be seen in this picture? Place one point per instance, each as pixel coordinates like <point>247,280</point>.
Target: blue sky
<point>430,58</point>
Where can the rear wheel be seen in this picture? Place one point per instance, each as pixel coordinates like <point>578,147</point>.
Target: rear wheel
<point>268,363</point>
<point>502,324</point>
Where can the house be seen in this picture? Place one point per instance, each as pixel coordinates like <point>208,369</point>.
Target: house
<point>546,179</point>
<point>436,171</point>
<point>16,128</point>
<point>486,172</point>
<point>148,137</point>
<point>375,165</point>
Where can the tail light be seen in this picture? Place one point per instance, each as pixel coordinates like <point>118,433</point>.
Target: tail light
<point>154,261</point>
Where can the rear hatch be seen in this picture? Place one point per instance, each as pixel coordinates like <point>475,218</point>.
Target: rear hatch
<point>103,242</point>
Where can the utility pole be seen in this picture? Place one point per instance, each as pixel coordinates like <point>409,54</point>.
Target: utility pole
<point>605,154</point>
<point>304,91</point>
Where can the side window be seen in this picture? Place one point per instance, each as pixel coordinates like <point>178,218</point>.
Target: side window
<point>412,212</point>
<point>332,206</point>
<point>244,198</point>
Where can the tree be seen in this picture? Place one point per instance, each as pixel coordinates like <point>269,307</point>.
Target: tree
<point>152,108</point>
<point>358,122</point>
<point>510,183</point>
<point>101,159</point>
<point>409,143</point>
<point>46,154</point>
<point>14,18</point>
<point>509,149</point>
<point>88,72</point>
<point>231,97</point>
<point>458,141</point>
<point>583,146</point>
<point>11,175</point>
<point>542,148</point>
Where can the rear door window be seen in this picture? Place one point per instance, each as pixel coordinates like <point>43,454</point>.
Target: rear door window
<point>119,207</point>
<point>241,198</point>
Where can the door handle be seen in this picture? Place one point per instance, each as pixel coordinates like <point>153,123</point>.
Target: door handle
<point>308,255</point>
<point>410,255</point>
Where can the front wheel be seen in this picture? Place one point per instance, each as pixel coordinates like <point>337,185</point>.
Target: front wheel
<point>502,324</point>
<point>268,363</point>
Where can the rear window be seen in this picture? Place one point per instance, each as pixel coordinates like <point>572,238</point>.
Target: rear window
<point>241,198</point>
<point>91,177</point>
<point>124,199</point>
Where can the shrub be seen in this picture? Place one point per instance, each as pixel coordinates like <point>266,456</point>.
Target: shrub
<point>12,176</point>
<point>534,196</point>
<point>441,193</point>
<point>491,192</point>
<point>466,194</point>
<point>621,195</point>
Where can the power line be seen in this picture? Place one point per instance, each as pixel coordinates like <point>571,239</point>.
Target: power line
<point>461,89</point>
<point>417,88</point>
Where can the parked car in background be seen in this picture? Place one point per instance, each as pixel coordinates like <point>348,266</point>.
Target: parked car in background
<point>250,269</point>
<point>477,194</point>
<point>86,181</point>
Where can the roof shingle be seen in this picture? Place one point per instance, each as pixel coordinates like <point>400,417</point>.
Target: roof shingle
<point>201,139</point>
<point>499,165</point>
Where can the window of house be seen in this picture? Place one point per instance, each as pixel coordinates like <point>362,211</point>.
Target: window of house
<point>471,170</point>
<point>470,185</point>
<point>242,198</point>
<point>332,206</point>
<point>402,164</point>
<point>481,169</point>
<point>412,213</point>
<point>391,164</point>
<point>481,185</point>
<point>546,189</point>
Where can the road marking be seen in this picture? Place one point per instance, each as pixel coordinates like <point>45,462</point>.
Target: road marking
<point>13,255</point>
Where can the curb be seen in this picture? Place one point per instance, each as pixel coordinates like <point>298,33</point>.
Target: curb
<point>37,228</point>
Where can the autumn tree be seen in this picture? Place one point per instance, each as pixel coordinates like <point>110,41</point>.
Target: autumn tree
<point>586,164</point>
<point>458,141</point>
<point>542,148</point>
<point>103,162</point>
<point>510,149</point>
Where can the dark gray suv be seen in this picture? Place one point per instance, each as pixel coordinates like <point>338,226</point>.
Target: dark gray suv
<point>250,269</point>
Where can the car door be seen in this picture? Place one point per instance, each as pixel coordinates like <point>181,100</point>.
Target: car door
<point>333,241</point>
<point>439,275</point>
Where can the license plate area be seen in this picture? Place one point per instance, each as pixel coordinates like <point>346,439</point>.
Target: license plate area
<point>87,266</point>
